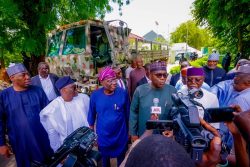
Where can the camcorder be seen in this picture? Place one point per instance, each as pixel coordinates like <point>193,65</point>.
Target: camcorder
<point>186,126</point>
<point>76,150</point>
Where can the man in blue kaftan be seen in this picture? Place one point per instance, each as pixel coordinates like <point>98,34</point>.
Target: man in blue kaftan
<point>236,91</point>
<point>109,106</point>
<point>20,106</point>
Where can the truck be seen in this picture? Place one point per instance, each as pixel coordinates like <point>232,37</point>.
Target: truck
<point>81,49</point>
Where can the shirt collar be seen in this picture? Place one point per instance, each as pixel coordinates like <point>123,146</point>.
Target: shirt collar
<point>42,77</point>
<point>148,79</point>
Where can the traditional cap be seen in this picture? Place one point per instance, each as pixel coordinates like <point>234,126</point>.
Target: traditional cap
<point>245,69</point>
<point>184,71</point>
<point>242,62</point>
<point>194,71</point>
<point>214,56</point>
<point>62,82</point>
<point>157,66</point>
<point>15,69</point>
<point>106,73</point>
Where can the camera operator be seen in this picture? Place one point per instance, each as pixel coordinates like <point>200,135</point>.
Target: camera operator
<point>165,152</point>
<point>240,130</point>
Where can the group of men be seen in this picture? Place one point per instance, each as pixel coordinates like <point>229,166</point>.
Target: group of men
<point>38,113</point>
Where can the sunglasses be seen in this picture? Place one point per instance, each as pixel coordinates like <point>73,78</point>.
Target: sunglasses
<point>161,75</point>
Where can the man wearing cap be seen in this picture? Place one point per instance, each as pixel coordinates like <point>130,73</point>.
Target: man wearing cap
<point>20,106</point>
<point>46,81</point>
<point>241,85</point>
<point>213,74</point>
<point>66,113</point>
<point>182,83</point>
<point>109,108</point>
<point>225,90</point>
<point>195,79</point>
<point>231,73</point>
<point>150,99</point>
<point>176,77</point>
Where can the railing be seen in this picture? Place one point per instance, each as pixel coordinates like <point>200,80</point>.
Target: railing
<point>149,56</point>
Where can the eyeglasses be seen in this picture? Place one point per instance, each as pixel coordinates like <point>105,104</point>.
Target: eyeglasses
<point>161,75</point>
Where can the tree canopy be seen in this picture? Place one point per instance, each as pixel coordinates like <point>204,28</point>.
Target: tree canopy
<point>24,23</point>
<point>194,36</point>
<point>229,20</point>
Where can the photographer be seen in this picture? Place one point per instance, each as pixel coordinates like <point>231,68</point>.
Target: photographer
<point>240,130</point>
<point>165,152</point>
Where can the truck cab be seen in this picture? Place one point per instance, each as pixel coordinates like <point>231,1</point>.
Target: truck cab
<point>80,49</point>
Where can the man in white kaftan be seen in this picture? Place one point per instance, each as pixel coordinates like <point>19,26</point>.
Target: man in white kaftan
<point>195,79</point>
<point>66,113</point>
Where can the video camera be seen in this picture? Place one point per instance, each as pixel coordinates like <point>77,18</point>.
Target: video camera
<point>77,149</point>
<point>185,123</point>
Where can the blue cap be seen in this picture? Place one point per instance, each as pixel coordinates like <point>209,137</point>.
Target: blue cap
<point>15,69</point>
<point>214,57</point>
<point>62,82</point>
<point>158,66</point>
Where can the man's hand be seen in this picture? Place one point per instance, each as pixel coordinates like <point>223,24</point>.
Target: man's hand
<point>242,120</point>
<point>5,151</point>
<point>154,117</point>
<point>92,127</point>
<point>134,138</point>
<point>236,108</point>
<point>212,156</point>
<point>240,130</point>
<point>168,133</point>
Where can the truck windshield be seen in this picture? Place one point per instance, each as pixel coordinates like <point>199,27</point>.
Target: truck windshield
<point>54,44</point>
<point>75,41</point>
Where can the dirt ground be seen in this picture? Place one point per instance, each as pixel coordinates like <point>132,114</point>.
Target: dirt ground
<point>7,162</point>
<point>12,163</point>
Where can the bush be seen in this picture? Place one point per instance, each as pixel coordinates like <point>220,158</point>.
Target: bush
<point>175,70</point>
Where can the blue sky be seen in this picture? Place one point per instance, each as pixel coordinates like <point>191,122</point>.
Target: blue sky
<point>141,15</point>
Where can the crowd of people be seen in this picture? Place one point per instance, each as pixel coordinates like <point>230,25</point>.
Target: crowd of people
<point>38,113</point>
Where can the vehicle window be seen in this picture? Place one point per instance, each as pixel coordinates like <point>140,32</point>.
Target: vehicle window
<point>54,44</point>
<point>75,41</point>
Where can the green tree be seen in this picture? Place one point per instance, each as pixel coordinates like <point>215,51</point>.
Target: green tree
<point>194,36</point>
<point>229,20</point>
<point>25,23</point>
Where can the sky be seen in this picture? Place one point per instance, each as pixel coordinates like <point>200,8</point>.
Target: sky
<point>142,15</point>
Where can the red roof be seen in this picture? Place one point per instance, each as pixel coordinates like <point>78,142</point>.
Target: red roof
<point>134,36</point>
